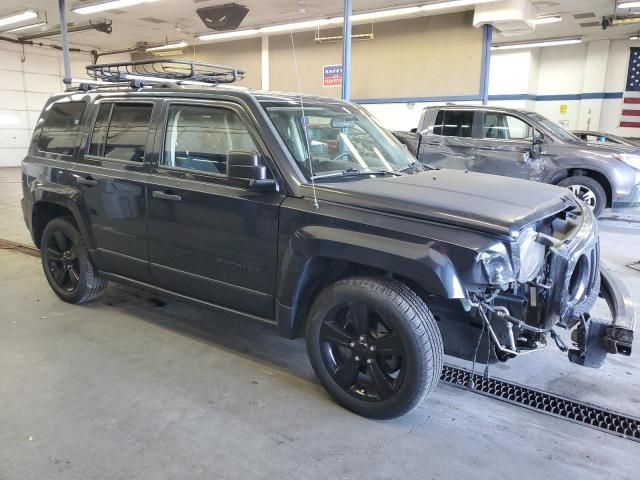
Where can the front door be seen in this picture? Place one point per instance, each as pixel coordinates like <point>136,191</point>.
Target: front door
<point>450,143</point>
<point>504,146</point>
<point>210,236</point>
<point>112,175</point>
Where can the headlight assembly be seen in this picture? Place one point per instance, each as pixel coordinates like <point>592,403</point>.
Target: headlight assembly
<point>497,268</point>
<point>531,255</point>
<point>629,159</point>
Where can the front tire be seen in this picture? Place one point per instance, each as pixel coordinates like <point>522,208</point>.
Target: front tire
<point>375,346</point>
<point>66,263</point>
<point>588,190</point>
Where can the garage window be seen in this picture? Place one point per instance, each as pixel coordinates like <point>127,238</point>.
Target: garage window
<point>454,123</point>
<point>121,131</point>
<point>199,138</point>
<point>60,128</point>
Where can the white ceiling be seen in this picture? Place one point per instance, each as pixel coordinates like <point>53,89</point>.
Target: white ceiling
<point>178,19</point>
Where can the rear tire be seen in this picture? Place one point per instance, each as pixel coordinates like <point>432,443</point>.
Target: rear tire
<point>375,346</point>
<point>66,263</point>
<point>587,189</point>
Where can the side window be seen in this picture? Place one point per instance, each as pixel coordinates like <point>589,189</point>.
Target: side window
<point>437,126</point>
<point>458,123</point>
<point>121,131</point>
<point>199,138</point>
<point>60,127</point>
<point>497,125</point>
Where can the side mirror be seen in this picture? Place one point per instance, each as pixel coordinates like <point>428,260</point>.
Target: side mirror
<point>536,147</point>
<point>249,166</point>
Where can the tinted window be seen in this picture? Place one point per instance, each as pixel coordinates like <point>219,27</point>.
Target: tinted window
<point>497,125</point>
<point>99,137</point>
<point>61,126</point>
<point>199,138</point>
<point>121,130</point>
<point>437,127</point>
<point>457,123</point>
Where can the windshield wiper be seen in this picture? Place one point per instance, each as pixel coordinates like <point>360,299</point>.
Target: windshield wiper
<point>356,171</point>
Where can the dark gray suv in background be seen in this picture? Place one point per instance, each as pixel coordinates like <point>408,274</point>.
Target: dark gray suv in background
<point>523,144</point>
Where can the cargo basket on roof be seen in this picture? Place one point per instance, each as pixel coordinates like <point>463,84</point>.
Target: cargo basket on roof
<point>164,70</point>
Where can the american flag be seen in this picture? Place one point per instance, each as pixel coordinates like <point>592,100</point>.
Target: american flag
<point>631,102</point>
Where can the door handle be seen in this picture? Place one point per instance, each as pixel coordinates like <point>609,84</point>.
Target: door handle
<point>88,181</point>
<point>166,196</point>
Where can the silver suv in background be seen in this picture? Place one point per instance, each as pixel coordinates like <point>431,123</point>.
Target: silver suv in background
<point>523,144</point>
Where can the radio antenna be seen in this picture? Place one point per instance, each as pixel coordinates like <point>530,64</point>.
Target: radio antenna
<point>304,123</point>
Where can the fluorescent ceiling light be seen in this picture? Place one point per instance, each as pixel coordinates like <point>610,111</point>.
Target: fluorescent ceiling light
<point>451,4</point>
<point>295,26</point>
<point>384,14</point>
<point>545,20</point>
<point>629,5</point>
<point>168,46</point>
<point>228,35</point>
<point>95,7</point>
<point>19,17</point>
<point>634,37</point>
<point>537,43</point>
<point>26,27</point>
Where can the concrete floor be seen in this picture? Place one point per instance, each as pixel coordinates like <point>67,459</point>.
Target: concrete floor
<point>133,387</point>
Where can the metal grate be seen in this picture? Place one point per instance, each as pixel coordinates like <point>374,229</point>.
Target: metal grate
<point>578,412</point>
<point>631,221</point>
<point>19,248</point>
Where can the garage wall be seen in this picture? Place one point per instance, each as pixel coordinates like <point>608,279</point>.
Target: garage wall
<point>29,77</point>
<point>407,58</point>
<point>587,78</point>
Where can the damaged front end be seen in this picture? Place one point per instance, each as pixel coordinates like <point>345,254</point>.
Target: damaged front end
<point>553,282</point>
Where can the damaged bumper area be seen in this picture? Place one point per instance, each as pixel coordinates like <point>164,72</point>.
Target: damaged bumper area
<point>593,338</point>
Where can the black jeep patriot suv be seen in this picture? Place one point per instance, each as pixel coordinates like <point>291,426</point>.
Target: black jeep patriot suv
<point>303,213</point>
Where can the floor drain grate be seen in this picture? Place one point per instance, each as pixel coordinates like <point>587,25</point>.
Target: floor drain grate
<point>19,248</point>
<point>555,405</point>
<point>631,221</point>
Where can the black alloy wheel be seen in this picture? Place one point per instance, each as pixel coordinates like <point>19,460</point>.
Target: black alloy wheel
<point>66,263</point>
<point>362,352</point>
<point>62,261</point>
<point>374,345</point>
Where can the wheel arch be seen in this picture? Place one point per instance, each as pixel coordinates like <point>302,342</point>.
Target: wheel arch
<point>51,204</point>
<point>318,256</point>
<point>597,175</point>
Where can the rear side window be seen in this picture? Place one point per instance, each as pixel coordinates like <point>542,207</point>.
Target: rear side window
<point>120,131</point>
<point>60,127</point>
<point>457,123</point>
<point>199,138</point>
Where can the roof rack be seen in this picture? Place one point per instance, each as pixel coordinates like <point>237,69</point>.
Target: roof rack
<point>164,71</point>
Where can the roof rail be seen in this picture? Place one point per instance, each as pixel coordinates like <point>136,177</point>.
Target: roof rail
<point>165,71</point>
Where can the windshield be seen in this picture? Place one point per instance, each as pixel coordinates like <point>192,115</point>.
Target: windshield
<point>560,132</point>
<point>340,139</point>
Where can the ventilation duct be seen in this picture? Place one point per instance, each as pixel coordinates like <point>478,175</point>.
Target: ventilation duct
<point>510,17</point>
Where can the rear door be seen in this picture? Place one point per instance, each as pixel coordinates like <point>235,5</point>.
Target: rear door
<point>112,175</point>
<point>505,145</point>
<point>449,143</point>
<point>210,236</point>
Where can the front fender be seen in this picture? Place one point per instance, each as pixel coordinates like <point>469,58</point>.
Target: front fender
<point>419,262</point>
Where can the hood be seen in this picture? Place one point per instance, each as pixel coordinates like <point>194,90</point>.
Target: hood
<point>490,203</point>
<point>601,148</point>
